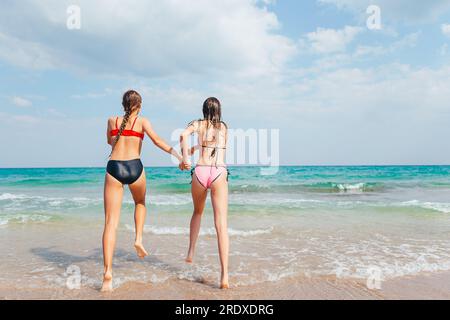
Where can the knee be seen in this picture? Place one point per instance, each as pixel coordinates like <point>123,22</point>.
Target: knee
<point>111,224</point>
<point>221,227</point>
<point>198,212</point>
<point>140,202</point>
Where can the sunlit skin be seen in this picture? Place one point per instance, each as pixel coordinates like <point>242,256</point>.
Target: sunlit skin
<point>127,148</point>
<point>219,200</point>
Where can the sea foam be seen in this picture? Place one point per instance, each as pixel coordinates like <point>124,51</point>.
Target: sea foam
<point>22,218</point>
<point>436,206</point>
<point>204,231</point>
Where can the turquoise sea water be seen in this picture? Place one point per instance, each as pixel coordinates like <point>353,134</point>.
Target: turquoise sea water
<point>302,221</point>
<point>56,193</point>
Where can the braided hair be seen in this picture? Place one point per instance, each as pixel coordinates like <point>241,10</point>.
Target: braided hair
<point>131,101</point>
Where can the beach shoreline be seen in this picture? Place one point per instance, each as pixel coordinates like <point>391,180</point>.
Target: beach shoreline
<point>303,234</point>
<point>425,286</point>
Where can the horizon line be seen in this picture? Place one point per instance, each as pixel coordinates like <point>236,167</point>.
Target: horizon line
<point>246,166</point>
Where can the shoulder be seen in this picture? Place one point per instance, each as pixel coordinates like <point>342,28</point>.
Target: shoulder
<point>223,126</point>
<point>195,124</point>
<point>112,120</point>
<point>144,121</point>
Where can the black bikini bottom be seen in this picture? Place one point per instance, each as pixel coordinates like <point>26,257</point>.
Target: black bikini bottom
<point>126,172</point>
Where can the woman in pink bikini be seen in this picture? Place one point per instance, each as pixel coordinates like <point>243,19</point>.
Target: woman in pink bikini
<point>209,173</point>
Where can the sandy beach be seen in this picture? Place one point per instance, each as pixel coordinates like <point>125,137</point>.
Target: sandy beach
<point>432,286</point>
<point>46,275</point>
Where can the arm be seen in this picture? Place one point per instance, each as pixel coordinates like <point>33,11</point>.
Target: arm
<point>108,132</point>
<point>184,143</point>
<point>157,141</point>
<point>226,136</point>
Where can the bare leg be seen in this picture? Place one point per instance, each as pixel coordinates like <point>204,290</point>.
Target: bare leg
<point>113,193</point>
<point>219,199</point>
<point>199,194</point>
<point>138,190</point>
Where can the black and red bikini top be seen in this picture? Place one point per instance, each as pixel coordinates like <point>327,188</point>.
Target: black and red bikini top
<point>127,133</point>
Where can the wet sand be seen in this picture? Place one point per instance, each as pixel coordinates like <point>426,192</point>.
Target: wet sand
<point>306,233</point>
<point>430,286</point>
<point>32,269</point>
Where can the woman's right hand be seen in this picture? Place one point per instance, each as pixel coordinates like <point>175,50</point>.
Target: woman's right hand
<point>185,165</point>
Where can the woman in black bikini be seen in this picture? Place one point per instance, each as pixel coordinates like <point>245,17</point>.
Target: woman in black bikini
<point>125,168</point>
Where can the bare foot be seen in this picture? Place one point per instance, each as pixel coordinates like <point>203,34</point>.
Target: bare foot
<point>224,286</point>
<point>189,257</point>
<point>140,250</point>
<point>224,283</point>
<point>107,283</point>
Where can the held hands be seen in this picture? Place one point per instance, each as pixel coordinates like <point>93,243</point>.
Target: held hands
<point>185,165</point>
<point>185,162</point>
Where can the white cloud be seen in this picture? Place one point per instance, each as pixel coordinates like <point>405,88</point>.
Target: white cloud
<point>445,28</point>
<point>27,54</point>
<point>340,112</point>
<point>386,114</point>
<point>408,41</point>
<point>337,60</point>
<point>21,102</point>
<point>181,99</point>
<point>151,39</point>
<point>404,11</point>
<point>268,2</point>
<point>387,89</point>
<point>331,40</point>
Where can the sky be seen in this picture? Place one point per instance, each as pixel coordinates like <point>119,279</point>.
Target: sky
<point>339,92</point>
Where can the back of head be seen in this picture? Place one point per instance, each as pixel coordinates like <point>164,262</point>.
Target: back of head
<point>131,101</point>
<point>212,111</point>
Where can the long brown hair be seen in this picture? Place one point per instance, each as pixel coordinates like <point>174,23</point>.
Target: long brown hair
<point>212,112</point>
<point>131,101</point>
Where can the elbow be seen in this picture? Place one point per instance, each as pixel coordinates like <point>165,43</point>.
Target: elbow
<point>183,137</point>
<point>157,142</point>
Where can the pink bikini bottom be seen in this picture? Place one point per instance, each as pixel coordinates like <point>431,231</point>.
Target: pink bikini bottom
<point>206,175</point>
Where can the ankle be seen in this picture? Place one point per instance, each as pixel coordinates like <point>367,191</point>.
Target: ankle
<point>107,275</point>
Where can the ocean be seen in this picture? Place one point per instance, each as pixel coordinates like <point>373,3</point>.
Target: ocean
<point>339,221</point>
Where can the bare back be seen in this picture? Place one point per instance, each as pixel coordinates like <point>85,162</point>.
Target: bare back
<point>212,142</point>
<point>128,147</point>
